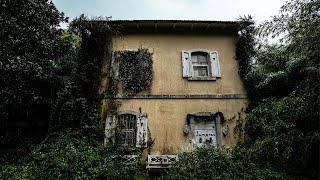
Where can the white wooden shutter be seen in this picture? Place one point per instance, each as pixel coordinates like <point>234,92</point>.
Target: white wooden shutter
<point>215,65</point>
<point>110,128</point>
<point>142,131</point>
<point>185,59</point>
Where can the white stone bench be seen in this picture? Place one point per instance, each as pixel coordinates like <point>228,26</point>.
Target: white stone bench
<point>161,161</point>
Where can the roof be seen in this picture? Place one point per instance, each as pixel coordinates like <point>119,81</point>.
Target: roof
<point>171,21</point>
<point>176,26</point>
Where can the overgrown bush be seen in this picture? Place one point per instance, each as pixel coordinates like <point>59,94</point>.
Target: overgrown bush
<point>210,163</point>
<point>284,133</point>
<point>70,155</point>
<point>282,126</point>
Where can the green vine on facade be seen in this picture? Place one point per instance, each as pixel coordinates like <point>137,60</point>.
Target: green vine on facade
<point>245,52</point>
<point>131,70</point>
<point>95,53</point>
<point>135,70</point>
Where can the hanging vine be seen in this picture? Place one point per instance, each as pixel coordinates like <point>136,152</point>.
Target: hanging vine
<point>95,57</point>
<point>245,52</point>
<point>135,70</point>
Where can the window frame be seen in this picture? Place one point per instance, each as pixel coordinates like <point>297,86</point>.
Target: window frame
<point>215,119</point>
<point>207,65</point>
<point>210,76</point>
<point>202,123</point>
<point>125,132</point>
<point>113,129</point>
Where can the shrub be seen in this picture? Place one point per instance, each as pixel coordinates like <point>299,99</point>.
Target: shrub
<point>209,163</point>
<point>70,155</point>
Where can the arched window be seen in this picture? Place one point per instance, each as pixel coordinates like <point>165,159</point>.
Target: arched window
<point>127,129</point>
<point>200,63</point>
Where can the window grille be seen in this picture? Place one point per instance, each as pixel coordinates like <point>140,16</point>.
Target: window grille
<point>127,129</point>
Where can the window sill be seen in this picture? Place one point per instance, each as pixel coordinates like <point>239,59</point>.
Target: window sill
<point>202,78</point>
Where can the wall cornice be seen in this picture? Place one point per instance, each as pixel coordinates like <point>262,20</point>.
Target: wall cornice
<point>181,96</point>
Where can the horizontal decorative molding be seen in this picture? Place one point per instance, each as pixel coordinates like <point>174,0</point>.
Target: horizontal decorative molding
<point>178,96</point>
<point>202,78</point>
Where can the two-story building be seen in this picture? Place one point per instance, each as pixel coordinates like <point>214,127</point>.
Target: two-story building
<point>196,95</point>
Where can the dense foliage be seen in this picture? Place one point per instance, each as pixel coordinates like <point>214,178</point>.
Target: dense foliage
<point>95,48</point>
<point>210,163</point>
<point>245,54</point>
<point>70,155</point>
<point>77,102</point>
<point>135,70</point>
<point>282,128</point>
<point>30,45</point>
<point>72,148</point>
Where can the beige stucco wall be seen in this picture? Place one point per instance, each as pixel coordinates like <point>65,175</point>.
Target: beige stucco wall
<point>167,66</point>
<point>166,117</point>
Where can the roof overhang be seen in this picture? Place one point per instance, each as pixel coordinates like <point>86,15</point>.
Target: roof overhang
<point>176,26</point>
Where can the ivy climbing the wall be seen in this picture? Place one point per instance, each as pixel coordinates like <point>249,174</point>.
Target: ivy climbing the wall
<point>245,54</point>
<point>135,70</point>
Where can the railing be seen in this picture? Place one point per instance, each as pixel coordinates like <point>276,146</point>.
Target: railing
<point>161,161</point>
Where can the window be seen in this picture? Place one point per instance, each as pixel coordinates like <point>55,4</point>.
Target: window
<point>127,125</point>
<point>204,131</point>
<point>200,65</point>
<point>127,128</point>
<point>205,128</point>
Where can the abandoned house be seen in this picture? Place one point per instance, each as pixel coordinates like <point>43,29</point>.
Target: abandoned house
<point>195,95</point>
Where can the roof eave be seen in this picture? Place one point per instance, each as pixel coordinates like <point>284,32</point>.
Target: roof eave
<point>176,26</point>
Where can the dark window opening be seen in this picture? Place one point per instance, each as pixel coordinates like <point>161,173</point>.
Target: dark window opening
<point>127,128</point>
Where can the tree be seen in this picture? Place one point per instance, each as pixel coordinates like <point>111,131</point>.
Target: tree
<point>283,127</point>
<point>30,45</point>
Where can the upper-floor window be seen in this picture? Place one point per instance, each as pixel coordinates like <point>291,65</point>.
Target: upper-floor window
<point>200,65</point>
